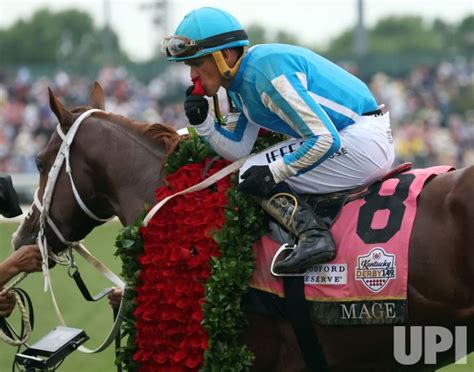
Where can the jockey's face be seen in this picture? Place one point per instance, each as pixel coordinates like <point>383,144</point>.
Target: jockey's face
<point>205,69</point>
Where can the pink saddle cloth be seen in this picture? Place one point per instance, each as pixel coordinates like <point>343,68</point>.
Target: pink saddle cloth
<point>367,280</point>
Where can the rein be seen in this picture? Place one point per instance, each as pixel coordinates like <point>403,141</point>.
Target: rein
<point>6,332</point>
<point>231,168</point>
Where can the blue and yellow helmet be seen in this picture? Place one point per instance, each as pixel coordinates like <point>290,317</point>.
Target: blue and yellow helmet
<point>204,31</point>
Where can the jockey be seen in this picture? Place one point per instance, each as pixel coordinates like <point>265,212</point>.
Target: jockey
<point>339,137</point>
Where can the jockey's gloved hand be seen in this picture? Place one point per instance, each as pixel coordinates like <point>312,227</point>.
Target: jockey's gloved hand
<point>195,107</point>
<point>257,180</point>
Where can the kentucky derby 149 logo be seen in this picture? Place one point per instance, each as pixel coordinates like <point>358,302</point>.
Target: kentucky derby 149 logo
<point>375,269</point>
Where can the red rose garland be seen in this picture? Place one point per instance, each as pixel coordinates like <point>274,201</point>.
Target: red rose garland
<point>175,267</point>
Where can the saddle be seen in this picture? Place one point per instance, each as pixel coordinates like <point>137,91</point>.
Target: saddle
<point>328,206</point>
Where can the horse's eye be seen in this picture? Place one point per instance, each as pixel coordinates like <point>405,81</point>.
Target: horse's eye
<point>39,165</point>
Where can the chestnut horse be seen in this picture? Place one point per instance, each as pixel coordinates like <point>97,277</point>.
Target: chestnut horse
<point>116,164</point>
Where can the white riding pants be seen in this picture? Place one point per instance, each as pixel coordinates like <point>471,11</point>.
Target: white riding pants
<point>367,153</point>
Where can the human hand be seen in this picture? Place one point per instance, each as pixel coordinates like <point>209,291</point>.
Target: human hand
<point>7,303</point>
<point>195,107</point>
<point>26,259</point>
<point>257,180</point>
<point>115,297</point>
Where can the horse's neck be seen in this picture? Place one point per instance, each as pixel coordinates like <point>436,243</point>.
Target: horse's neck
<point>136,194</point>
<point>133,174</point>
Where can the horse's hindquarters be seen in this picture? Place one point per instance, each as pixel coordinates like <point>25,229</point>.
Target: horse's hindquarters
<point>441,265</point>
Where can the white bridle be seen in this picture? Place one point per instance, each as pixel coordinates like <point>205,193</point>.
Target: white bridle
<point>44,209</point>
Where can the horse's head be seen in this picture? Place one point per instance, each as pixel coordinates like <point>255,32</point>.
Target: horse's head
<point>64,210</point>
<point>110,166</point>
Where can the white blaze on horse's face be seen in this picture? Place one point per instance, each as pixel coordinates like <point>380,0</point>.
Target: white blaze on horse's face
<point>27,232</point>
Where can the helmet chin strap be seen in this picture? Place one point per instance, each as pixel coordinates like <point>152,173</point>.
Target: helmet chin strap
<point>228,73</point>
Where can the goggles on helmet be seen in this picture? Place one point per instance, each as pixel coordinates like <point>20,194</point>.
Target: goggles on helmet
<point>180,46</point>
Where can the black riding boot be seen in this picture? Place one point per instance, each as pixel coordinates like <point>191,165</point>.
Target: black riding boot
<point>315,243</point>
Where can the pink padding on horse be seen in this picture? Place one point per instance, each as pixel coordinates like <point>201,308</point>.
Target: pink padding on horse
<point>360,271</point>
<point>380,219</point>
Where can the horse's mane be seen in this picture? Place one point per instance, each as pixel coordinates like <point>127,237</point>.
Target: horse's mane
<point>161,134</point>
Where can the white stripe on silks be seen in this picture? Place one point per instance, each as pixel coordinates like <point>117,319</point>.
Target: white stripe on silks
<point>303,80</point>
<point>269,104</point>
<point>343,110</point>
<point>340,109</point>
<point>246,111</point>
<point>323,144</point>
<point>280,169</point>
<point>334,106</point>
<point>306,113</point>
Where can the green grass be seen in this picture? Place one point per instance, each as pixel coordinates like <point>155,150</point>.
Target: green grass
<point>94,318</point>
<point>468,367</point>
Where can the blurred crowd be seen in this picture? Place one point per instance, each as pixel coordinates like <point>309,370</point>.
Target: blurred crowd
<point>26,120</point>
<point>427,129</point>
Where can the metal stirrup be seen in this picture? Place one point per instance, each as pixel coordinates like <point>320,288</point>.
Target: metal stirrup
<point>284,247</point>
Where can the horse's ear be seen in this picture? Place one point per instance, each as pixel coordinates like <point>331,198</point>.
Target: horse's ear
<point>64,116</point>
<point>97,97</point>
